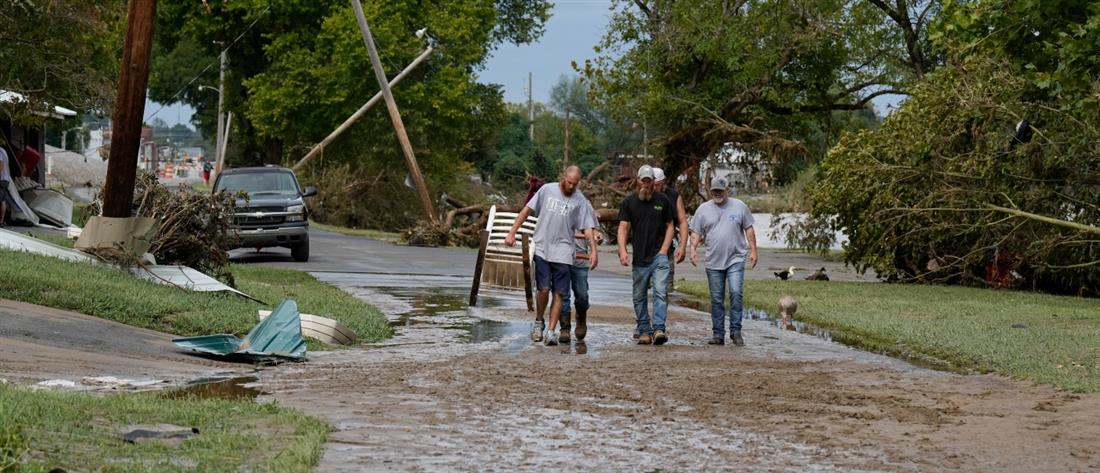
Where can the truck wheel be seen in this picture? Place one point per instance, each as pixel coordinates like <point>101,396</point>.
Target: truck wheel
<point>300,251</point>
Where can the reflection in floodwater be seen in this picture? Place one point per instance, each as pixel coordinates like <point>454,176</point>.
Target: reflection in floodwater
<point>217,388</point>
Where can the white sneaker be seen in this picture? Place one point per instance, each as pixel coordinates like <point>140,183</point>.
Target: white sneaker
<point>536,331</point>
<point>551,338</point>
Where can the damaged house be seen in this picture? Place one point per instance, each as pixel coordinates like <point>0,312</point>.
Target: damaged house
<point>30,202</point>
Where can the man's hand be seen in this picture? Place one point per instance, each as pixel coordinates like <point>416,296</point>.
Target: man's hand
<point>694,256</point>
<point>624,257</point>
<point>510,240</point>
<point>593,259</point>
<point>680,253</point>
<point>752,260</point>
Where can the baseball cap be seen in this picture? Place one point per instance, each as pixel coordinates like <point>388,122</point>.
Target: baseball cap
<point>658,174</point>
<point>645,171</point>
<point>719,183</point>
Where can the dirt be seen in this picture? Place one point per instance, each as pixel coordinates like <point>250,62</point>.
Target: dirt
<point>787,401</point>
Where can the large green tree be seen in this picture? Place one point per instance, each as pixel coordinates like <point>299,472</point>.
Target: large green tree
<point>59,53</point>
<point>703,73</point>
<point>299,67</point>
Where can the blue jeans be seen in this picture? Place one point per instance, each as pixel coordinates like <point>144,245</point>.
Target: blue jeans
<point>717,280</point>
<point>579,278</point>
<point>658,271</point>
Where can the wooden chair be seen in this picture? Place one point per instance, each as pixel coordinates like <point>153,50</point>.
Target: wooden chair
<point>499,265</point>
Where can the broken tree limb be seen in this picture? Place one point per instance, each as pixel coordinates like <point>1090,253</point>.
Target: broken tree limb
<point>464,211</point>
<point>597,170</point>
<point>319,147</point>
<point>453,202</point>
<point>1045,219</point>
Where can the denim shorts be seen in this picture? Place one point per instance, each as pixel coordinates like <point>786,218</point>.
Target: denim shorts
<point>553,276</point>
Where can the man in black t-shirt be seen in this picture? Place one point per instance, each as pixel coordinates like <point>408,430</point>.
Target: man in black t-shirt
<point>646,217</point>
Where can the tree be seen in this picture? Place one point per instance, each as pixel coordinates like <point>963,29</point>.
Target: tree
<point>59,53</point>
<point>755,73</point>
<point>297,69</point>
<point>956,187</point>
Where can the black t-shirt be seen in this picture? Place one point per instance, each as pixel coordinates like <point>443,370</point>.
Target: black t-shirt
<point>672,196</point>
<point>648,220</point>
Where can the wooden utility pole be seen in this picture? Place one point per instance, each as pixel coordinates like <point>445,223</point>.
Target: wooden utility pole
<point>219,153</point>
<point>320,147</point>
<point>395,115</point>
<point>118,193</point>
<point>565,149</point>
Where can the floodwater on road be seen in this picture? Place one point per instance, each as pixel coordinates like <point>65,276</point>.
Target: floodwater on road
<point>461,388</point>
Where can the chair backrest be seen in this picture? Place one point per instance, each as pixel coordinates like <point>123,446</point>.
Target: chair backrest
<point>503,266</point>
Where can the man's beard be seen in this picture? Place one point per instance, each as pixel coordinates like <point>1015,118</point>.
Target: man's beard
<point>645,194</point>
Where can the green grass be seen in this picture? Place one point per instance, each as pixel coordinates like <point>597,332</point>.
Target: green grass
<point>391,237</point>
<point>116,295</point>
<point>80,432</point>
<point>954,327</point>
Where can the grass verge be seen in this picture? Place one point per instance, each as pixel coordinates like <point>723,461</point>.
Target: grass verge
<point>80,432</point>
<point>1043,338</point>
<point>116,295</point>
<point>390,237</point>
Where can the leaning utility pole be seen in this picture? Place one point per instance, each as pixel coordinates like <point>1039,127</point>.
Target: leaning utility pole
<point>118,193</point>
<point>219,149</point>
<point>565,149</point>
<point>395,115</point>
<point>530,109</point>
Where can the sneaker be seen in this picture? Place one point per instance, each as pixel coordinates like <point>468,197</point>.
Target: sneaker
<point>716,341</point>
<point>659,338</point>
<point>645,339</point>
<point>536,331</point>
<point>564,337</point>
<point>737,340</point>
<point>551,338</point>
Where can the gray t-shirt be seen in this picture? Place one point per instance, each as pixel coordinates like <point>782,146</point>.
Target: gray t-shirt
<point>5,172</point>
<point>581,244</point>
<point>559,217</point>
<point>723,228</point>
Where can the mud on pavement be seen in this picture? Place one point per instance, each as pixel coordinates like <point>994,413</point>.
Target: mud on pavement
<point>432,400</point>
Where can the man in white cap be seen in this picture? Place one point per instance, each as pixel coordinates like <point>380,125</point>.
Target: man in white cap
<point>645,218</point>
<point>679,244</point>
<point>561,209</point>
<point>726,225</point>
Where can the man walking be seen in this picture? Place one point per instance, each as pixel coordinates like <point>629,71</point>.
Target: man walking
<point>679,244</point>
<point>645,217</point>
<point>726,226</point>
<point>561,209</point>
<point>579,277</point>
<point>5,178</point>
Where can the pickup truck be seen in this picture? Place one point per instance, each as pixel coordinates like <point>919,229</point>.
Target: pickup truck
<point>274,214</point>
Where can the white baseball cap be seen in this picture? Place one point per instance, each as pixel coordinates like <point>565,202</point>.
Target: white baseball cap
<point>645,171</point>
<point>658,174</point>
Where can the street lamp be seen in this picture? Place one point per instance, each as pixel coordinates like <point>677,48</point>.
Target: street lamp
<point>221,125</point>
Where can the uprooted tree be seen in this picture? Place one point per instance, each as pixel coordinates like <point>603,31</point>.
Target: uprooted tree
<point>954,188</point>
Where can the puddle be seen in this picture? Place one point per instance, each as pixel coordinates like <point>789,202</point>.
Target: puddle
<point>217,388</point>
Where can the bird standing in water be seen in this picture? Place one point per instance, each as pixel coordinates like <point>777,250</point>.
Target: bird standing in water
<point>818,275</point>
<point>785,274</point>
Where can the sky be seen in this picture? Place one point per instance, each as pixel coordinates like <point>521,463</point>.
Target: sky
<point>575,27</point>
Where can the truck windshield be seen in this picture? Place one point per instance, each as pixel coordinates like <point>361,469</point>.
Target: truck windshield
<point>258,183</point>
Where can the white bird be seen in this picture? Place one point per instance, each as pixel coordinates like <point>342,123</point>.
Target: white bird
<point>785,274</point>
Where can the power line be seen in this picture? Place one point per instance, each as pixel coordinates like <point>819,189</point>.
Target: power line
<point>208,66</point>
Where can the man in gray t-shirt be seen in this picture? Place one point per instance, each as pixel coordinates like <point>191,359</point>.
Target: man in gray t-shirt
<point>561,209</point>
<point>726,225</point>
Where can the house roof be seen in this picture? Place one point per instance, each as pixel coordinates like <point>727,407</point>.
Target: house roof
<point>58,112</point>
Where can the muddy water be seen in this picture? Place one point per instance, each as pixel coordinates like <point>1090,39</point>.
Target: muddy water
<point>463,389</point>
